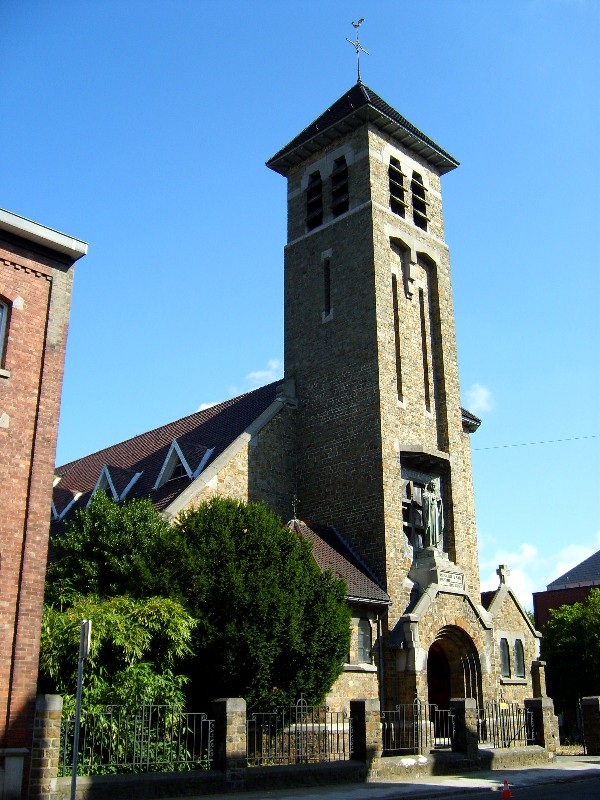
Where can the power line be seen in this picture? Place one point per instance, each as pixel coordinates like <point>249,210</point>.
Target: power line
<point>546,441</point>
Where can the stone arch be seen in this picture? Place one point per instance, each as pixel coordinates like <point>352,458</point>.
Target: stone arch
<point>453,667</point>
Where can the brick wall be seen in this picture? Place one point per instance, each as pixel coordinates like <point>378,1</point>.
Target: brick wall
<point>37,287</point>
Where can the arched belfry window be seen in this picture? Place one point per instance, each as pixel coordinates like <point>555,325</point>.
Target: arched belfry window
<point>504,658</point>
<point>4,312</point>
<point>519,659</point>
<point>314,201</point>
<point>419,201</point>
<point>396,184</point>
<point>339,187</point>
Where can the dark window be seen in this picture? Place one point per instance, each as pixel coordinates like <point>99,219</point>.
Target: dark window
<point>504,658</point>
<point>412,512</point>
<point>519,659</point>
<point>425,351</point>
<point>326,287</point>
<point>419,201</point>
<point>364,641</point>
<point>314,201</point>
<point>3,329</point>
<point>397,192</point>
<point>178,472</point>
<point>339,187</point>
<point>397,337</point>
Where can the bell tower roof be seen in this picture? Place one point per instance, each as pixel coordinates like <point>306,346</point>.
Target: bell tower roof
<point>357,106</point>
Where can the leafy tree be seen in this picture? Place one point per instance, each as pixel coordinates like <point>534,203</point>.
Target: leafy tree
<point>134,648</point>
<point>108,549</point>
<point>270,624</point>
<point>571,648</point>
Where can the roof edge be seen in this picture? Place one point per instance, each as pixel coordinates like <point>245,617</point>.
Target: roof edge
<point>42,235</point>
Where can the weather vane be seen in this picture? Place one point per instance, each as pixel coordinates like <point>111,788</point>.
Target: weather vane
<point>358,46</point>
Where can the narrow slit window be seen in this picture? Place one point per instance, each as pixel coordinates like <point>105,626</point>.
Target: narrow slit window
<point>397,191</point>
<point>339,187</point>
<point>419,201</point>
<point>425,350</point>
<point>326,287</point>
<point>314,201</point>
<point>519,659</point>
<point>3,330</point>
<point>504,658</point>
<point>397,336</point>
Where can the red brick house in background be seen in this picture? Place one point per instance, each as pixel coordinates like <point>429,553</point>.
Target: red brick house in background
<point>572,587</point>
<point>36,273</point>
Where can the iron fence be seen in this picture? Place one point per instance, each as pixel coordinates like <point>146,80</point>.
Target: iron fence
<point>415,727</point>
<point>503,724</point>
<point>153,739</point>
<point>299,734</point>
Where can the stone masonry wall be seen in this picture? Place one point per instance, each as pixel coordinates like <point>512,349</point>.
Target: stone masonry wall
<point>262,470</point>
<point>333,360</point>
<point>509,623</point>
<point>37,289</point>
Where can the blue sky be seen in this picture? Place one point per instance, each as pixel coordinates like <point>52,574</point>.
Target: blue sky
<point>143,128</point>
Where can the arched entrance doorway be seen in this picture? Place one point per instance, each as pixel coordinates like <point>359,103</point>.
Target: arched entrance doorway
<point>453,667</point>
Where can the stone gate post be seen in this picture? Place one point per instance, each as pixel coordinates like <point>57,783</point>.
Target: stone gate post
<point>545,722</point>
<point>230,739</point>
<point>466,738</point>
<point>45,750</point>
<point>366,730</point>
<point>590,708</point>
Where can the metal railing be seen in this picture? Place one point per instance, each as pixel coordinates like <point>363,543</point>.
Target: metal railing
<point>415,727</point>
<point>153,739</point>
<point>501,724</point>
<point>300,734</point>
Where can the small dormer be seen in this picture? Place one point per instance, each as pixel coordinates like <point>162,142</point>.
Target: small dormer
<point>183,460</point>
<point>116,482</point>
<point>62,501</point>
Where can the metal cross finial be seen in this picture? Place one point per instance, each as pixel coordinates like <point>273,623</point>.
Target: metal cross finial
<point>503,573</point>
<point>295,507</point>
<point>358,46</point>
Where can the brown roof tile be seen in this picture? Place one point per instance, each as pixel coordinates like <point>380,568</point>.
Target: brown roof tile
<point>213,428</point>
<point>332,552</point>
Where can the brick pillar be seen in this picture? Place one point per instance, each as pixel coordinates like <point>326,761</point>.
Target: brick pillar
<point>230,739</point>
<point>545,722</point>
<point>590,708</point>
<point>466,738</point>
<point>538,678</point>
<point>45,750</point>
<point>366,730</point>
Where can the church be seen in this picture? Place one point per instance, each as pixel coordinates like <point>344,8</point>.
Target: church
<point>364,442</point>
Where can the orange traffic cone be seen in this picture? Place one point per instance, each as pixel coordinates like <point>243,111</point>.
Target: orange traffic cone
<point>506,792</point>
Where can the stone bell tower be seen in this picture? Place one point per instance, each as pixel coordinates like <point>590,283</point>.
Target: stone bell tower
<point>382,441</point>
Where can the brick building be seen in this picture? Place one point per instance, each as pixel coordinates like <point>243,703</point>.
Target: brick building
<point>36,272</point>
<point>365,437</point>
<point>572,587</point>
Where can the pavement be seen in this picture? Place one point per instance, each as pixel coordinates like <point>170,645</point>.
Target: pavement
<point>563,769</point>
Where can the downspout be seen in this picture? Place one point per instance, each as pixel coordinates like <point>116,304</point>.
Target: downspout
<point>380,665</point>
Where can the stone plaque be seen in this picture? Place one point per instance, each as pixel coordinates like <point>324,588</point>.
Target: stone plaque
<point>453,579</point>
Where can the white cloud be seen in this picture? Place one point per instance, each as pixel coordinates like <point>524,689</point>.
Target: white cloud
<point>252,380</point>
<point>479,398</point>
<point>260,376</point>
<point>204,406</point>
